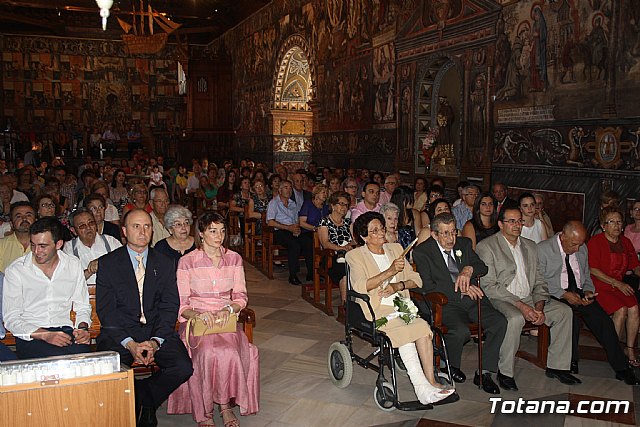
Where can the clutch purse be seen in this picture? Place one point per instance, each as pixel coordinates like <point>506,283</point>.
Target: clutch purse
<point>196,327</point>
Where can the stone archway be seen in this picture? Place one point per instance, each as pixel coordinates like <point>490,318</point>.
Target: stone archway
<point>291,117</point>
<point>440,97</point>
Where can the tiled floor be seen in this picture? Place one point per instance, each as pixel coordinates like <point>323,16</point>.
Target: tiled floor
<point>293,338</point>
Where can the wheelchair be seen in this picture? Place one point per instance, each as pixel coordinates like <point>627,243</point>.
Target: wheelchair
<point>385,394</point>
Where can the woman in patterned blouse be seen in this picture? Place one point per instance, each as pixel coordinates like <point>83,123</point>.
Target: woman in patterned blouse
<point>334,234</point>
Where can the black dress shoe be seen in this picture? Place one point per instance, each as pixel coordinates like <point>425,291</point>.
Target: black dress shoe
<point>628,376</point>
<point>293,279</point>
<point>487,383</point>
<point>147,417</point>
<point>564,377</point>
<point>309,278</point>
<point>457,375</point>
<point>574,367</point>
<point>506,382</point>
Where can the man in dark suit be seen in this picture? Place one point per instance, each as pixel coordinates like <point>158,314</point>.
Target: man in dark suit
<point>564,262</point>
<point>142,333</point>
<point>499,191</point>
<point>300,194</point>
<point>447,264</point>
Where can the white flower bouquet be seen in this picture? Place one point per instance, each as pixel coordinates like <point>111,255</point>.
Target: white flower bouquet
<point>404,309</point>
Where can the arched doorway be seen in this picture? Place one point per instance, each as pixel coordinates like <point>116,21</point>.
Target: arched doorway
<point>291,117</point>
<point>440,107</point>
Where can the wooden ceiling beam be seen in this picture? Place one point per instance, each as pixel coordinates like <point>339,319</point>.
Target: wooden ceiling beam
<point>55,27</point>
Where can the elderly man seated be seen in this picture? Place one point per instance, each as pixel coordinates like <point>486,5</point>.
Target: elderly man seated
<point>447,264</point>
<point>89,245</point>
<point>517,289</point>
<point>564,263</point>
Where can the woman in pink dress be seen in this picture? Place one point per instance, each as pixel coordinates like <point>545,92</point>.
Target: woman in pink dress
<point>212,286</point>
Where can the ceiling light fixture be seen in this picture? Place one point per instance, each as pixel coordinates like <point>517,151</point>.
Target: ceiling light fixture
<point>104,6</point>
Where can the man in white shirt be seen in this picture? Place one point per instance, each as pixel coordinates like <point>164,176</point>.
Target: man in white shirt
<point>41,289</point>
<point>89,245</point>
<point>12,182</point>
<point>193,183</point>
<point>516,288</point>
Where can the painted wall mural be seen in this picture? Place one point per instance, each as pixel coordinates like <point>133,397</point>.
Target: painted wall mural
<point>560,54</point>
<point>50,81</point>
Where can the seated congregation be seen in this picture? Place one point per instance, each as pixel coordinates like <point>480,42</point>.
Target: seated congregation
<point>128,256</point>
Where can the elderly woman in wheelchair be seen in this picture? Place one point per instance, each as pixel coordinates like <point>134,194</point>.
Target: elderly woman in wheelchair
<point>379,270</point>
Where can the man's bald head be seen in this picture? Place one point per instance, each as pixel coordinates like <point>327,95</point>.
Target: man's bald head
<point>572,237</point>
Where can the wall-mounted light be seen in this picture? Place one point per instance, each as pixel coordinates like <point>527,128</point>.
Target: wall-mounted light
<point>104,6</point>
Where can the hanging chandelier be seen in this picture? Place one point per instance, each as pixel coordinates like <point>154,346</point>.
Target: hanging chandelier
<point>104,6</point>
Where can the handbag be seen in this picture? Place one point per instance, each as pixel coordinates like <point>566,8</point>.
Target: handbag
<point>196,327</point>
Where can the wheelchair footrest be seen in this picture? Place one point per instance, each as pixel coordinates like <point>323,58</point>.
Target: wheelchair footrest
<point>414,405</point>
<point>454,397</point>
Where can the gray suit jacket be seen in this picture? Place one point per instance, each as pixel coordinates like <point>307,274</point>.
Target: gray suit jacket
<point>495,253</point>
<point>550,262</point>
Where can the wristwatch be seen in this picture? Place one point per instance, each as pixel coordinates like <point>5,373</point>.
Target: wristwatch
<point>230,307</point>
<point>157,341</point>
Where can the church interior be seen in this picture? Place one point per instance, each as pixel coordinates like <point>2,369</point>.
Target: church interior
<point>536,94</point>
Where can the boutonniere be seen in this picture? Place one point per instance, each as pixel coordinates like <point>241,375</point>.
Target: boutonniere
<point>459,255</point>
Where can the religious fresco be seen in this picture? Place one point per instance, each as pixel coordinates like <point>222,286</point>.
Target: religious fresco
<point>52,81</point>
<point>557,54</point>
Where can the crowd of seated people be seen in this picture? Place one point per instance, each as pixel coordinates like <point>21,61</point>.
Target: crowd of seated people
<point>88,219</point>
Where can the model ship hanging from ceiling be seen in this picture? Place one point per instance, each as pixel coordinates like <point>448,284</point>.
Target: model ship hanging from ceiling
<point>143,39</point>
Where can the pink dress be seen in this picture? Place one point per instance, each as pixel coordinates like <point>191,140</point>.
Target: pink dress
<point>225,366</point>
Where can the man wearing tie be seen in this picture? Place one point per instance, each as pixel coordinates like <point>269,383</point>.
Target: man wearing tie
<point>499,191</point>
<point>447,264</point>
<point>137,303</point>
<point>563,261</point>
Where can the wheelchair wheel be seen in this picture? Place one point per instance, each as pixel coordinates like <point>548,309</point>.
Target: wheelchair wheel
<point>384,397</point>
<point>340,365</point>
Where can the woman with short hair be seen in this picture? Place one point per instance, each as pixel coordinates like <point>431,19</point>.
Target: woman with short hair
<point>178,220</point>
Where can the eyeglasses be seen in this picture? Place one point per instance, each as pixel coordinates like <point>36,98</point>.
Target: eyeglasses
<point>47,205</point>
<point>514,221</point>
<point>351,186</point>
<point>636,209</point>
<point>613,222</point>
<point>471,194</point>
<point>435,195</point>
<point>448,234</point>
<point>343,204</point>
<point>87,225</point>
<point>161,202</point>
<point>96,208</point>
<point>181,225</point>
<point>378,231</point>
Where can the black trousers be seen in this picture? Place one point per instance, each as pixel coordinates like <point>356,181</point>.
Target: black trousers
<point>602,328</point>
<point>175,368</point>
<point>457,315</point>
<point>296,246</point>
<point>38,348</point>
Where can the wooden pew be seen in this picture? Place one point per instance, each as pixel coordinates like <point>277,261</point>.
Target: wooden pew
<point>322,261</point>
<point>438,300</point>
